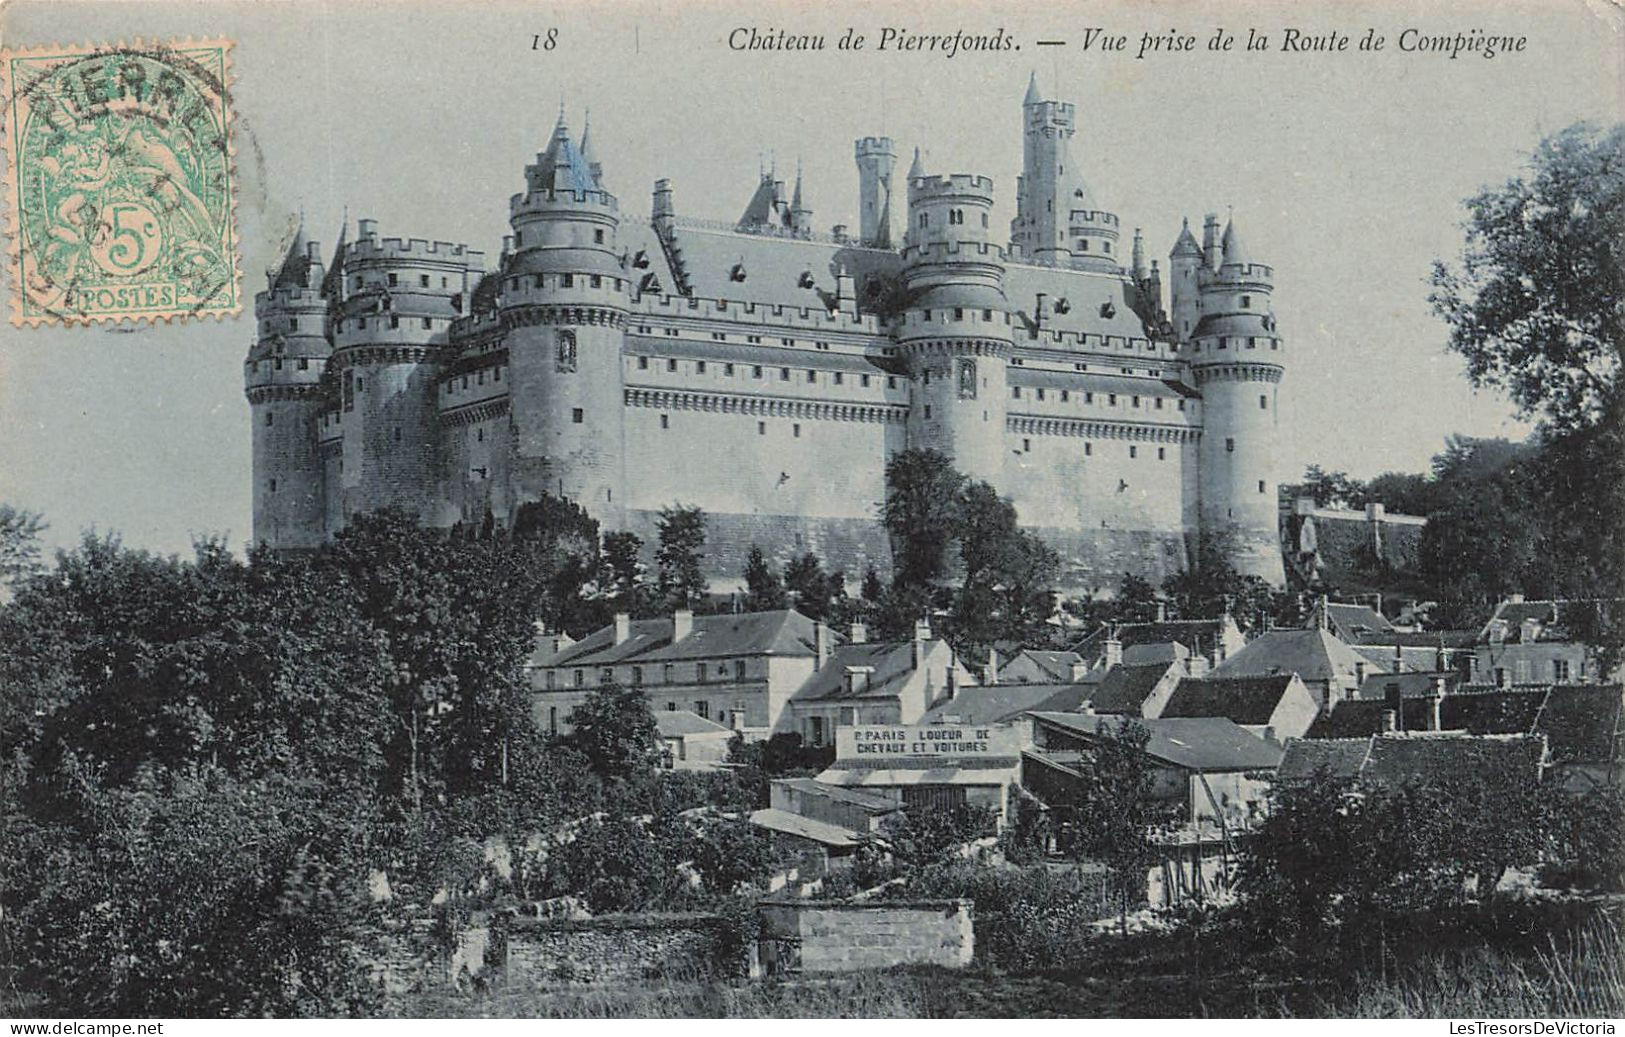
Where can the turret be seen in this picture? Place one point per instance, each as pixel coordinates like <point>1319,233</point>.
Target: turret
<point>391,335</point>
<point>1057,219</point>
<point>876,159</point>
<point>282,380</point>
<point>1236,360</point>
<point>955,333</point>
<point>564,301</point>
<point>1185,289</point>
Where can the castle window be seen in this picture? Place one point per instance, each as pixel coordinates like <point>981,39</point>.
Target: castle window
<point>1083,245</point>
<point>567,280</point>
<point>863,380</point>
<point>293,323</point>
<point>795,430</point>
<point>1275,343</point>
<point>423,280</point>
<point>397,433</point>
<point>1040,394</point>
<point>784,374</point>
<point>703,708</point>
<point>928,412</point>
<point>1252,343</point>
<point>812,377</point>
<point>465,381</point>
<point>719,336</point>
<point>428,323</point>
<point>1106,245</point>
<point>699,672</point>
<point>761,428</point>
<point>552,679</point>
<point>665,421</point>
<point>444,283</point>
<point>1111,399</point>
<point>1015,392</point>
<point>1230,446</point>
<point>606,675</point>
<point>837,377</point>
<point>927,378</point>
<point>481,377</point>
<point>278,363</point>
<point>891,381</point>
<point>566,358</point>
<point>394,321</point>
<point>699,367</point>
<point>1224,343</point>
<point>479,435</point>
<point>1246,302</point>
<point>270,419</point>
<point>984,219</point>
<point>959,313</point>
<point>1065,396</point>
<point>1088,450</point>
<point>577,416</point>
<point>728,370</point>
<point>756,371</point>
<point>273,485</point>
<point>304,363</point>
<point>671,365</point>
<point>393,280</point>
<point>1026,446</point>
<point>1133,451</point>
<point>597,281</point>
<point>925,219</point>
<point>1181,404</point>
<point>643,363</point>
<point>1263,402</point>
<point>1088,397</point>
<point>597,237</point>
<point>1159,403</point>
<point>987,315</point>
<point>519,239</point>
<point>1136,401</point>
<point>1162,454</point>
<point>358,282</point>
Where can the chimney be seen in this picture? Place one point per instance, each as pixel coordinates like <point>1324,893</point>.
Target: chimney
<point>858,635</point>
<point>1514,599</point>
<point>846,294</point>
<point>1399,659</point>
<point>313,250</point>
<point>623,627</point>
<point>821,639</point>
<point>1529,630</point>
<point>1210,241</point>
<point>682,624</point>
<point>992,676</point>
<point>1196,665</point>
<point>1441,662</point>
<point>1439,692</point>
<point>922,634</point>
<point>1322,616</point>
<point>367,229</point>
<point>1390,721</point>
<point>1162,612</point>
<point>1080,670</point>
<point>1394,706</point>
<point>1114,652</point>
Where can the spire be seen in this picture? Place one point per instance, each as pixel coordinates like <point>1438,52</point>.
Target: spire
<point>333,282</point>
<point>562,167</point>
<point>795,201</point>
<point>918,168</point>
<point>1186,244</point>
<point>1033,96</point>
<point>586,136</point>
<point>295,269</point>
<point>1139,254</point>
<point>1235,253</point>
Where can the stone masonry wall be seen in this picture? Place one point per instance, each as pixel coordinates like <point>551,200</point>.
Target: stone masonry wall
<point>814,936</point>
<point>612,947</point>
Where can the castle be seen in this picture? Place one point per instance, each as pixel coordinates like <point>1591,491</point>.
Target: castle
<point>765,372</point>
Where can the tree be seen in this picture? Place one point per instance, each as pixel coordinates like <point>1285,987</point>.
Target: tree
<point>616,731</point>
<point>816,595</point>
<point>1007,593</point>
<point>763,591</point>
<point>19,544</point>
<point>681,555</point>
<point>920,513</point>
<point>623,580</point>
<point>1213,587</point>
<point>565,537</point>
<point>1534,303</point>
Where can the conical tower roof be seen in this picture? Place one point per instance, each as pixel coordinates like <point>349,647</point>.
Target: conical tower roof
<point>333,280</point>
<point>918,167</point>
<point>1235,253</point>
<point>295,269</point>
<point>562,167</point>
<point>1033,97</point>
<point>1186,244</point>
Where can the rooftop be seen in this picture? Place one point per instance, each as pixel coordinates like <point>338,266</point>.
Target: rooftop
<point>1002,703</point>
<point>675,723</point>
<point>1245,700</point>
<point>1191,743</point>
<point>1313,654</point>
<point>1124,689</point>
<point>784,632</point>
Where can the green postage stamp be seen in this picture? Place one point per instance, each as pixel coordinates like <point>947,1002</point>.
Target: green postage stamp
<point>119,182</point>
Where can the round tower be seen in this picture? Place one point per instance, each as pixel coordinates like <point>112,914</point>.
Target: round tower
<point>955,332</point>
<point>564,303</point>
<point>390,345</point>
<point>876,158</point>
<point>281,378</point>
<point>1185,283</point>
<point>1236,359</point>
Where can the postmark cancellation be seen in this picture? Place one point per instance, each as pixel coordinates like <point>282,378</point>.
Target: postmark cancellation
<point>119,182</point>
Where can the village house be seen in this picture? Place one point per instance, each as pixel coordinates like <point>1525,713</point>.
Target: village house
<point>868,683</point>
<point>1032,666</point>
<point>1527,642</point>
<point>935,767</point>
<point>689,742</point>
<point>1212,639</point>
<point>1137,690</point>
<point>1393,759</point>
<point>1329,668</point>
<point>1275,708</point>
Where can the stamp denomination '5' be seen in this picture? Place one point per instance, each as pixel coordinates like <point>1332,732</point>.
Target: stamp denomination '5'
<point>119,182</point>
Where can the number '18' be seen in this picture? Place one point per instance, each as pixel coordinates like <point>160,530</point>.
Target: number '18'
<point>545,41</point>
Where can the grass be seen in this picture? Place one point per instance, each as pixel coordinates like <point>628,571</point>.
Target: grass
<point>1575,973</point>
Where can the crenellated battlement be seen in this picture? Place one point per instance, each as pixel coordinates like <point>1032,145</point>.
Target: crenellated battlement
<point>866,146</point>
<point>954,252</point>
<point>553,201</point>
<point>809,318</point>
<point>366,250</point>
<point>1089,219</point>
<point>957,184</point>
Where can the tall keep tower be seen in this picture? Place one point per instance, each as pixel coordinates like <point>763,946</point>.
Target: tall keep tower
<point>1057,221</point>
<point>281,378</point>
<point>564,301</point>
<point>876,159</point>
<point>390,345</point>
<point>1236,359</point>
<point>955,334</point>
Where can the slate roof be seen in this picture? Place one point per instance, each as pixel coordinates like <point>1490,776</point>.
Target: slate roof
<point>1187,632</point>
<point>833,836</point>
<point>841,794</point>
<point>1056,664</point>
<point>1353,622</point>
<point>1245,700</point>
<point>1397,759</point>
<point>1159,652</point>
<point>780,632</point>
<point>1412,684</point>
<point>675,723</point>
<point>1192,743</point>
<point>893,662</point>
<point>1124,689</point>
<point>1313,654</point>
<point>1554,618</point>
<point>1001,703</point>
<point>1581,722</point>
<point>295,269</point>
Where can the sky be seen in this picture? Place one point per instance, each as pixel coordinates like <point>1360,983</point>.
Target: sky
<point>1345,170</point>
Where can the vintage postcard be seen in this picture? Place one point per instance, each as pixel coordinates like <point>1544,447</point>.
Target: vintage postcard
<point>850,510</point>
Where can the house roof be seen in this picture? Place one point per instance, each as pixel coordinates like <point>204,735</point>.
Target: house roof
<point>783,821</point>
<point>675,723</point>
<point>783,632</point>
<point>1245,700</point>
<point>1554,619</point>
<point>1313,654</point>
<point>1001,703</point>
<point>1054,664</point>
<point>1155,652</point>
<point>1352,622</point>
<point>1397,759</point>
<point>861,800</point>
<point>1581,722</point>
<point>1124,689</point>
<point>1194,634</point>
<point>892,662</point>
<point>1192,743</point>
<point>1412,684</point>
